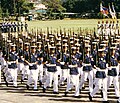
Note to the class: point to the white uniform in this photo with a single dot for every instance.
(74, 78)
(65, 71)
(87, 73)
(52, 75)
(113, 29)
(107, 30)
(113, 73)
(25, 69)
(33, 75)
(12, 68)
(101, 79)
(0, 64)
(99, 29)
(117, 29)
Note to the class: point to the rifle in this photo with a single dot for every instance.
(61, 43)
(109, 53)
(69, 44)
(97, 56)
(95, 34)
(47, 32)
(83, 51)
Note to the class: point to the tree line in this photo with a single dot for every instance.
(11, 7)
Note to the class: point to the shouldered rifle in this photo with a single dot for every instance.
(83, 51)
(97, 55)
(109, 53)
(61, 44)
(69, 44)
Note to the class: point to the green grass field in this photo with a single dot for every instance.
(54, 24)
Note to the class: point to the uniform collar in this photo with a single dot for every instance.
(101, 58)
(13, 52)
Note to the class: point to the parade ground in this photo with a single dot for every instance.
(22, 95)
(59, 51)
(67, 24)
(11, 94)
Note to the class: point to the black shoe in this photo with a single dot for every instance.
(116, 97)
(27, 86)
(44, 90)
(62, 85)
(55, 92)
(35, 89)
(101, 94)
(4, 77)
(90, 98)
(40, 83)
(118, 102)
(15, 87)
(80, 91)
(83, 87)
(22, 81)
(77, 96)
(66, 93)
(49, 87)
(6, 83)
(105, 102)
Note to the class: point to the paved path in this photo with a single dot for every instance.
(21, 95)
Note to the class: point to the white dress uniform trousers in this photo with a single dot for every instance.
(52, 76)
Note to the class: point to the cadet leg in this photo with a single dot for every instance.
(40, 67)
(83, 78)
(35, 78)
(55, 83)
(71, 83)
(97, 87)
(90, 76)
(15, 77)
(104, 89)
(59, 71)
(0, 73)
(49, 80)
(25, 71)
(76, 85)
(109, 81)
(30, 79)
(64, 76)
(116, 86)
(13, 73)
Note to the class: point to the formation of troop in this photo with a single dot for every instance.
(108, 27)
(52, 59)
(8, 26)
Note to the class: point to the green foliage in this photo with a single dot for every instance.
(82, 6)
(54, 5)
(57, 6)
(16, 6)
(0, 12)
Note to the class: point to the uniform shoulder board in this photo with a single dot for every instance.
(32, 47)
(100, 50)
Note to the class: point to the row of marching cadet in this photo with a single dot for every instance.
(75, 58)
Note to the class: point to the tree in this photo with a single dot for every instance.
(54, 5)
(16, 6)
(82, 6)
(0, 11)
(23, 6)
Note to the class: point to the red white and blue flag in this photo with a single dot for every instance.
(104, 10)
